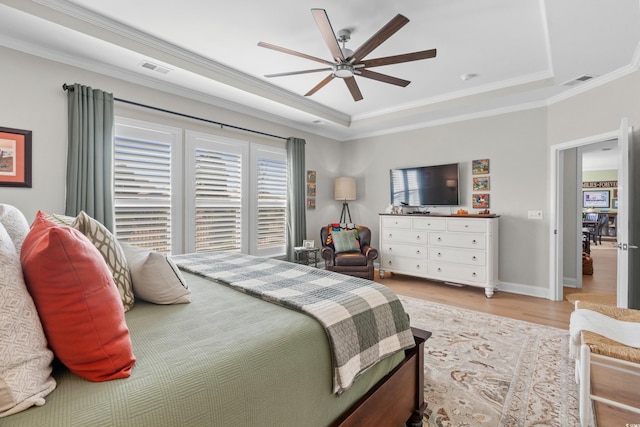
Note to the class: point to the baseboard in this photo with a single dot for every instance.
(517, 288)
(571, 282)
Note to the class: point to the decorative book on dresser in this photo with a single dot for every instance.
(454, 249)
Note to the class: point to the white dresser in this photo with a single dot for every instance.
(455, 249)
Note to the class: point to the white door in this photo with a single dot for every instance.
(624, 225)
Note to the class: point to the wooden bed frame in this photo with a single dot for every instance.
(396, 399)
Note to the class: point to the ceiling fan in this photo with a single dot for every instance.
(346, 63)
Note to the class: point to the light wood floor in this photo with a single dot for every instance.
(521, 307)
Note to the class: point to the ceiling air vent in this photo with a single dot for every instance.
(154, 67)
(578, 80)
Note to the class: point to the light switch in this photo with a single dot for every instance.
(534, 214)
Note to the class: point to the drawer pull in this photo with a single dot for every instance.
(418, 237)
(466, 226)
(474, 258)
(390, 235)
(418, 267)
(418, 252)
(439, 254)
(439, 239)
(389, 262)
(474, 241)
(474, 275)
(439, 270)
(390, 249)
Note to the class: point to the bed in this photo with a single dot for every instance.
(231, 359)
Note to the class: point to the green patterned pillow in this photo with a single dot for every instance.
(345, 241)
(112, 253)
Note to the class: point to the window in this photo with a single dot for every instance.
(270, 215)
(144, 178)
(216, 199)
(232, 196)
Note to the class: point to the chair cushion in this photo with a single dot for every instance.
(78, 303)
(345, 241)
(350, 259)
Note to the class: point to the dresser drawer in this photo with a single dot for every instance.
(457, 272)
(467, 225)
(396, 222)
(405, 236)
(435, 224)
(412, 266)
(391, 248)
(460, 256)
(458, 240)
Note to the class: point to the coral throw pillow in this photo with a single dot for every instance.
(78, 303)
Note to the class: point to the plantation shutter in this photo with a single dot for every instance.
(271, 195)
(218, 200)
(143, 193)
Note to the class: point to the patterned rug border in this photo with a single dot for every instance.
(505, 372)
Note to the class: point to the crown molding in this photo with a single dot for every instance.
(90, 23)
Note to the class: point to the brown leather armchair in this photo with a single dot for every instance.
(358, 264)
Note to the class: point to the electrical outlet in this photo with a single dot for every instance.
(534, 214)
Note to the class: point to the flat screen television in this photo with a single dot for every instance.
(595, 199)
(425, 186)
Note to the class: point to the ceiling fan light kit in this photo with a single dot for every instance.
(347, 63)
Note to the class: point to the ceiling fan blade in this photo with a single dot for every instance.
(322, 19)
(293, 73)
(293, 52)
(383, 78)
(378, 38)
(397, 59)
(353, 88)
(320, 85)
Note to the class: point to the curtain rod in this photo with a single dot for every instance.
(222, 125)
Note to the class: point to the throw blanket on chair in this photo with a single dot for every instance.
(582, 319)
(365, 321)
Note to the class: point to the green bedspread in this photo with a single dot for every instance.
(227, 359)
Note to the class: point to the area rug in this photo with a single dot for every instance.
(486, 370)
(596, 298)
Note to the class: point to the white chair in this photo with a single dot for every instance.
(608, 373)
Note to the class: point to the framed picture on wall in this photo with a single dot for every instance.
(311, 176)
(480, 167)
(480, 201)
(15, 157)
(481, 183)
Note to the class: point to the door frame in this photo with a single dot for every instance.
(556, 272)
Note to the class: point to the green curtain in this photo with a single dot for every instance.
(90, 154)
(296, 193)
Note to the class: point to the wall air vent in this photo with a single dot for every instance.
(578, 80)
(154, 67)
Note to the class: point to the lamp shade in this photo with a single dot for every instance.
(345, 188)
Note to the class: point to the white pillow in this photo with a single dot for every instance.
(155, 277)
(15, 223)
(25, 360)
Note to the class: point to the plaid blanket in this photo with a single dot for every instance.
(365, 321)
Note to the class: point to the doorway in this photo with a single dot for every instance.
(565, 210)
(596, 178)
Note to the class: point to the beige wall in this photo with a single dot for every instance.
(516, 146)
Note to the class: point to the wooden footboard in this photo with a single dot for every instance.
(398, 398)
